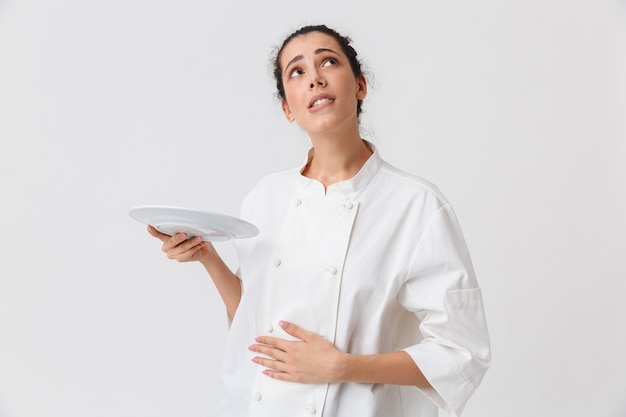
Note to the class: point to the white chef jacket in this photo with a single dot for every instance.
(375, 264)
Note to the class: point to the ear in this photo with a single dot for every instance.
(287, 111)
(361, 87)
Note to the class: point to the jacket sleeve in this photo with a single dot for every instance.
(442, 291)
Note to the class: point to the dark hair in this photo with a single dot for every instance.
(343, 41)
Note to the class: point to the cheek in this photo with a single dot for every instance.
(291, 96)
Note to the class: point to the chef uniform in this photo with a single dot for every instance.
(374, 264)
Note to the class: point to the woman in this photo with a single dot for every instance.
(358, 297)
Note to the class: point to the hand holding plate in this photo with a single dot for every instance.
(180, 248)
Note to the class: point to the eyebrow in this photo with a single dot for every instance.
(299, 57)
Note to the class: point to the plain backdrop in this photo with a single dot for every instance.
(515, 109)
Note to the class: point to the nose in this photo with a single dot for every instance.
(317, 81)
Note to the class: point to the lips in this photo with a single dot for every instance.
(320, 100)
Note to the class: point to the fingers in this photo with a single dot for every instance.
(274, 353)
(267, 342)
(275, 369)
(275, 360)
(312, 358)
(295, 331)
(154, 232)
(185, 250)
(282, 375)
(178, 247)
(291, 329)
(280, 364)
(162, 236)
(180, 240)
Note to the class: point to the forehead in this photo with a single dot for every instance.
(306, 44)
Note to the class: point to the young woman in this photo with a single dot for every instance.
(358, 297)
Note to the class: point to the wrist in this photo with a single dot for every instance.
(208, 254)
(347, 365)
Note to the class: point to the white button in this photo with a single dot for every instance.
(347, 205)
(297, 202)
(331, 270)
(257, 396)
(269, 328)
(311, 409)
(277, 262)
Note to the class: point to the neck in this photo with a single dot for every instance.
(336, 158)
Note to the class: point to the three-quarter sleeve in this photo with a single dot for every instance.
(442, 291)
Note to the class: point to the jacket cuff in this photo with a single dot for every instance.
(449, 389)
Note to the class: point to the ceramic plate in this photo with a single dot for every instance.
(213, 227)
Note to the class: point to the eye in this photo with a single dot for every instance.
(328, 62)
(295, 72)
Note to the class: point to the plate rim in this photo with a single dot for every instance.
(253, 229)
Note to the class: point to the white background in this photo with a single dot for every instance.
(515, 109)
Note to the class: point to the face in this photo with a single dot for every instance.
(321, 92)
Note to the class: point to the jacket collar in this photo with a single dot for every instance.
(349, 186)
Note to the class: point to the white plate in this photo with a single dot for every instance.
(213, 227)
